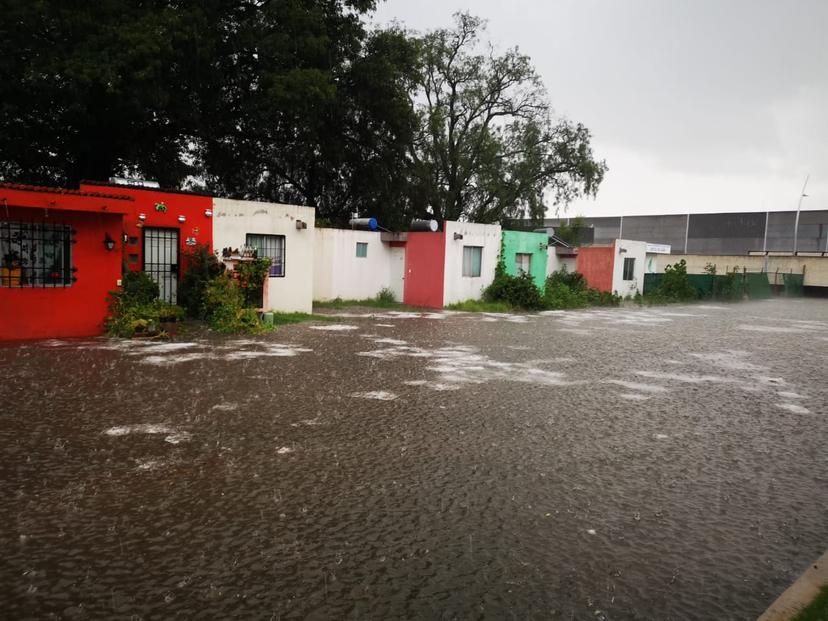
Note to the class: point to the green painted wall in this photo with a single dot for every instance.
(520, 242)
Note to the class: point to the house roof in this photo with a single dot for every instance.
(61, 199)
(52, 190)
(109, 184)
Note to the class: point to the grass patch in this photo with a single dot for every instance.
(282, 319)
(479, 306)
(339, 303)
(817, 610)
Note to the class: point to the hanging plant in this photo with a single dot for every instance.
(161, 207)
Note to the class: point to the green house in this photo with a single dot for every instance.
(526, 252)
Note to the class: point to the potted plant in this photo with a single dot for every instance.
(11, 271)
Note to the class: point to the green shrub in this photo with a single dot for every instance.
(675, 285)
(251, 277)
(225, 310)
(516, 291)
(202, 266)
(138, 288)
(574, 280)
(386, 296)
(565, 290)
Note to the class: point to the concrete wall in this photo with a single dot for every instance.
(816, 268)
(634, 250)
(233, 220)
(339, 273)
(458, 288)
(596, 265)
(534, 244)
(556, 262)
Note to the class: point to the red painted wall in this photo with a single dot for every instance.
(191, 206)
(596, 263)
(424, 269)
(77, 310)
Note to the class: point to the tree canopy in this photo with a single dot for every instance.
(488, 148)
(283, 100)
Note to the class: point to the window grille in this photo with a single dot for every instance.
(36, 254)
(271, 247)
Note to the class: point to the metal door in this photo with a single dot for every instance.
(397, 273)
(161, 260)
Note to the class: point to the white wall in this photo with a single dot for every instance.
(636, 250)
(456, 287)
(339, 273)
(556, 262)
(233, 220)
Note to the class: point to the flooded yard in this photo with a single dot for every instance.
(664, 463)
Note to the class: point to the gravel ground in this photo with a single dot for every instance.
(613, 464)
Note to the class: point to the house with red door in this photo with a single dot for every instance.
(60, 253)
(452, 265)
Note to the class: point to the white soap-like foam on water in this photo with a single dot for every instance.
(379, 395)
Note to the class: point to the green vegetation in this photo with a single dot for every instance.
(384, 299)
(280, 319)
(515, 291)
(563, 290)
(251, 277)
(135, 310)
(201, 267)
(479, 306)
(225, 309)
(816, 610)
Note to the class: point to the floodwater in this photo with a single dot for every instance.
(661, 463)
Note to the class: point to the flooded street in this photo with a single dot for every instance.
(665, 463)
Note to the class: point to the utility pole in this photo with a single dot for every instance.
(798, 208)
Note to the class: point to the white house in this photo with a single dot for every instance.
(356, 264)
(471, 257)
(283, 233)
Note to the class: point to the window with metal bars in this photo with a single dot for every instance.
(36, 254)
(272, 247)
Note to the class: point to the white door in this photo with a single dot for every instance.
(397, 272)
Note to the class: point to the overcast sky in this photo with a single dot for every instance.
(697, 105)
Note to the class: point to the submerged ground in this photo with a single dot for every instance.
(621, 464)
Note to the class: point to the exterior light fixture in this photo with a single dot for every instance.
(458, 236)
(181, 218)
(622, 250)
(208, 213)
(142, 216)
(301, 225)
(108, 242)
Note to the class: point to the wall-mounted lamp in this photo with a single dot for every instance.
(108, 242)
(458, 236)
(142, 216)
(181, 218)
(543, 246)
(208, 213)
(301, 225)
(622, 250)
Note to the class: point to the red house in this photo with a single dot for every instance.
(60, 253)
(159, 227)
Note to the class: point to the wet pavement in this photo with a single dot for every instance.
(664, 463)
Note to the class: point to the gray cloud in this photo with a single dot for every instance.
(697, 105)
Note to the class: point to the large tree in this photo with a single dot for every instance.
(287, 100)
(488, 148)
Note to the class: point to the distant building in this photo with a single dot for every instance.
(710, 233)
